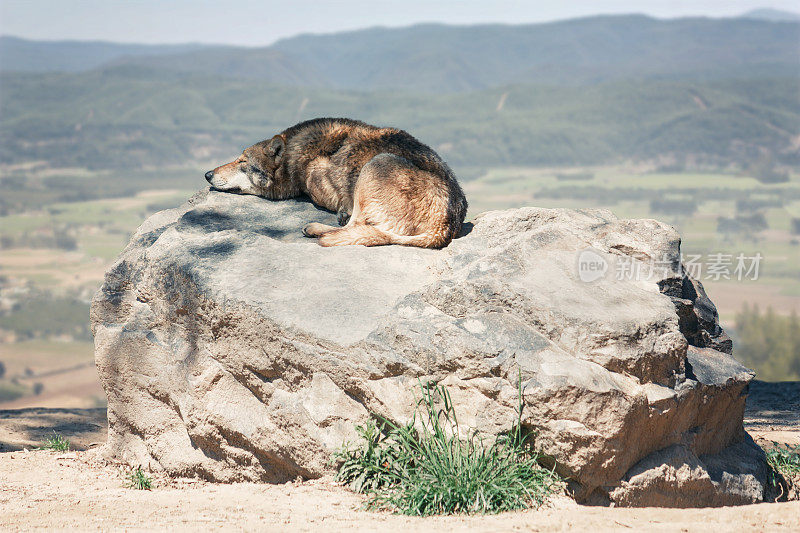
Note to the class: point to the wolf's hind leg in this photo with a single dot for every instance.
(316, 229)
(362, 234)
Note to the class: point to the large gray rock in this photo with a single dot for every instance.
(232, 348)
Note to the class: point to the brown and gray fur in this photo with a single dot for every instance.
(386, 186)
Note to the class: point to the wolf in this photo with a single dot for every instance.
(386, 186)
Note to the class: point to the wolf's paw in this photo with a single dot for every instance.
(308, 230)
(343, 217)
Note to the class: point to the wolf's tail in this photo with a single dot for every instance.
(368, 235)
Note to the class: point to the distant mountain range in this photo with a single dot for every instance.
(436, 58)
(774, 15)
(22, 55)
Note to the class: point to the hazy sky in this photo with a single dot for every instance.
(250, 22)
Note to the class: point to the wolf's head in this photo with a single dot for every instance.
(258, 171)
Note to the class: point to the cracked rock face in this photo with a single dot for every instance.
(232, 348)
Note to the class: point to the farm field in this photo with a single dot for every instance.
(65, 370)
(52, 260)
(53, 255)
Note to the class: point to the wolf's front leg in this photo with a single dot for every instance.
(315, 229)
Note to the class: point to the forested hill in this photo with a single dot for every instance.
(128, 118)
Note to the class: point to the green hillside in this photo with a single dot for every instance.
(128, 117)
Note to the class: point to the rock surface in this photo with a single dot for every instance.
(232, 348)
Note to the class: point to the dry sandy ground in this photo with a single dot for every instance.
(28, 428)
(50, 490)
(773, 413)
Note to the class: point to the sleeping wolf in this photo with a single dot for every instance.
(385, 185)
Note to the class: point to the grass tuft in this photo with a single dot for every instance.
(432, 471)
(56, 443)
(784, 465)
(138, 480)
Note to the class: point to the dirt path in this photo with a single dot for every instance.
(773, 413)
(50, 490)
(28, 428)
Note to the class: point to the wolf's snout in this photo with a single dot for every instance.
(209, 176)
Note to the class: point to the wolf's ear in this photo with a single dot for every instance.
(275, 149)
